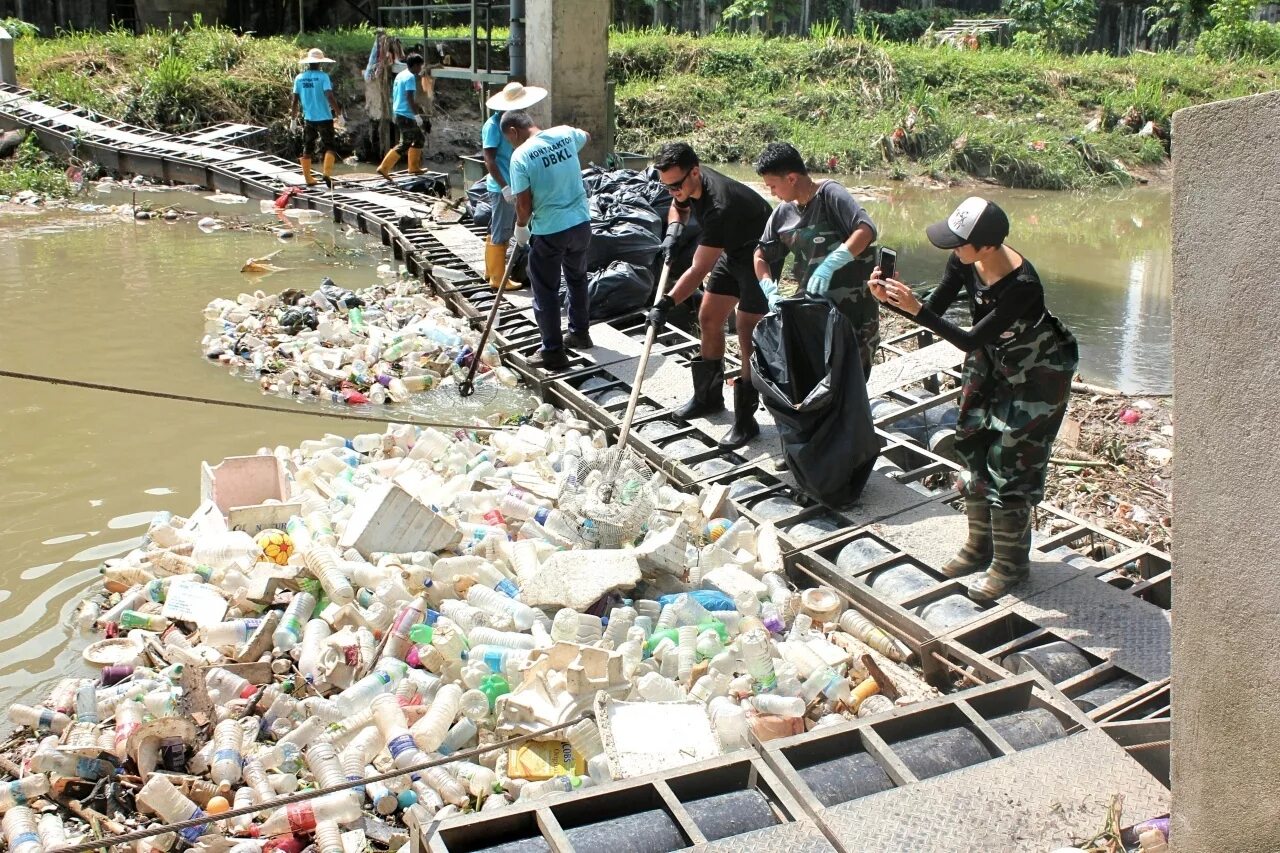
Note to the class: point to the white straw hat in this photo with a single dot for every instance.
(314, 55)
(516, 96)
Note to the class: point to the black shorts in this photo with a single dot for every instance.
(411, 136)
(735, 275)
(313, 130)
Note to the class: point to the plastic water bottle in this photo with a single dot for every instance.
(460, 735)
(852, 622)
(304, 733)
(87, 704)
(730, 723)
(302, 817)
(228, 740)
(128, 720)
(389, 717)
(328, 835)
(255, 780)
(554, 785)
(324, 563)
(495, 602)
(481, 636)
(654, 687)
(411, 614)
(160, 795)
(39, 719)
(53, 832)
(70, 765)
(289, 633)
(758, 658)
(19, 792)
(783, 706)
(431, 729)
(312, 648)
(20, 830)
(383, 679)
(383, 800)
(480, 780)
(232, 633)
(449, 788)
(131, 619)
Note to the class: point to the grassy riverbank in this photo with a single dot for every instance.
(1012, 117)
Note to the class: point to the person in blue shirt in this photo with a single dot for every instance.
(497, 162)
(553, 220)
(313, 96)
(411, 119)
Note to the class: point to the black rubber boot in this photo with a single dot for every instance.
(1011, 544)
(708, 389)
(975, 553)
(745, 400)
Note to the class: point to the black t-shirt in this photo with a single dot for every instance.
(995, 308)
(732, 214)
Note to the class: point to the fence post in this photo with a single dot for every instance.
(8, 72)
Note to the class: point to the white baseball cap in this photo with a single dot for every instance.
(976, 221)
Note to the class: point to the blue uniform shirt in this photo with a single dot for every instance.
(310, 87)
(491, 137)
(547, 164)
(406, 82)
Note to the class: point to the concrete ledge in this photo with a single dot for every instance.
(1226, 682)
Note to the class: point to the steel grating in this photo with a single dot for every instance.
(911, 368)
(1045, 797)
(800, 837)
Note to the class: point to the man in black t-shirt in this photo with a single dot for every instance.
(733, 217)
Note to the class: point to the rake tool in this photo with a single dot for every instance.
(467, 386)
(588, 494)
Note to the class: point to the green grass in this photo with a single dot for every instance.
(32, 169)
(1010, 116)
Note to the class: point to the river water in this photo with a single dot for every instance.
(97, 299)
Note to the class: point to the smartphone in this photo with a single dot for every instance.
(888, 263)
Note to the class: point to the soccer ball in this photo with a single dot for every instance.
(276, 545)
(716, 528)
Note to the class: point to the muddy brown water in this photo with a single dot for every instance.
(98, 299)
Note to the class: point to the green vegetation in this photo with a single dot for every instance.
(1012, 116)
(1028, 117)
(32, 169)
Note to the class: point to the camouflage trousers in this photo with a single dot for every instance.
(1012, 403)
(862, 311)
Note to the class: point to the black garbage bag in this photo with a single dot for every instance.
(625, 207)
(615, 290)
(807, 369)
(478, 203)
(621, 240)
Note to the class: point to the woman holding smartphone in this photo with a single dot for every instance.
(1017, 380)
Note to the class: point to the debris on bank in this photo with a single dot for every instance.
(379, 344)
(354, 606)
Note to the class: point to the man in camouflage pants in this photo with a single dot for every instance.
(830, 235)
(1017, 381)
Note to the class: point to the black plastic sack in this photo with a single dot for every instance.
(618, 289)
(806, 367)
(625, 207)
(478, 203)
(621, 240)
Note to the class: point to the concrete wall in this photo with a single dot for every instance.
(8, 74)
(1226, 482)
(568, 48)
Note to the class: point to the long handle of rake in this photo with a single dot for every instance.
(649, 338)
(467, 386)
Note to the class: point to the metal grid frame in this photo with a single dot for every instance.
(548, 819)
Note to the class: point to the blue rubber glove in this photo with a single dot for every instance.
(770, 288)
(820, 279)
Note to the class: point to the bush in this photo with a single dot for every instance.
(1235, 35)
(32, 169)
(908, 24)
(19, 29)
(1062, 23)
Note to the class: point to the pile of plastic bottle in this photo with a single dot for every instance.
(383, 660)
(379, 344)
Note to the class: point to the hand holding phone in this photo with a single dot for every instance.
(888, 263)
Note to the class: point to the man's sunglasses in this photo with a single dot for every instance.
(673, 187)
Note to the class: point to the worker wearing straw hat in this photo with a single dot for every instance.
(497, 161)
(411, 119)
(313, 95)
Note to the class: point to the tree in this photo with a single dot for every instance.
(1062, 23)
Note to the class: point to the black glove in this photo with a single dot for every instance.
(658, 313)
(674, 231)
